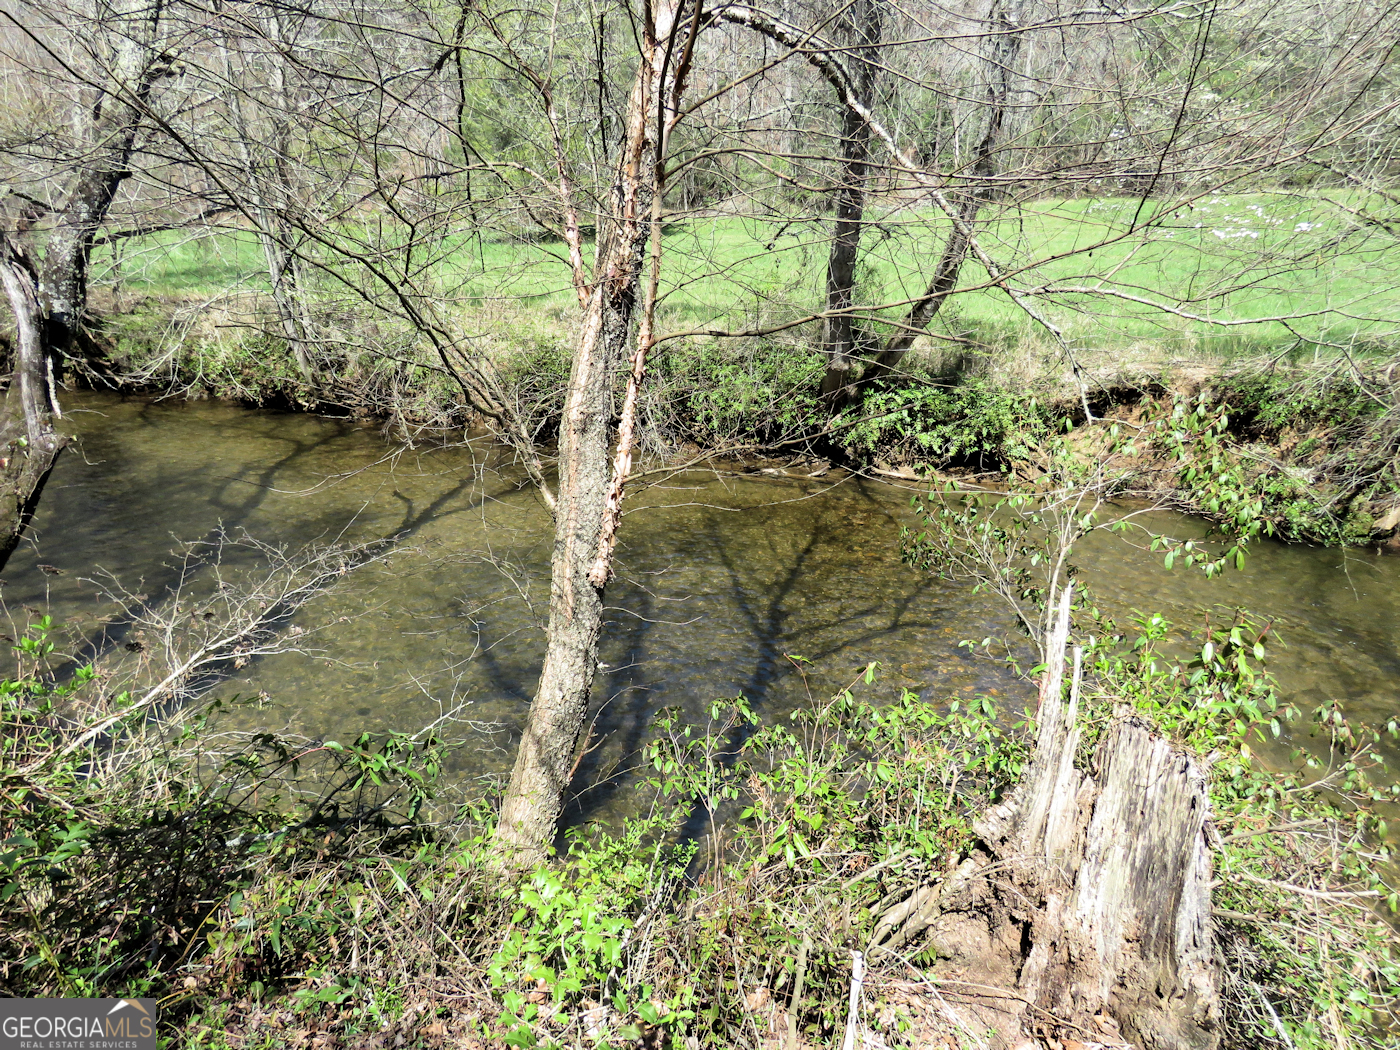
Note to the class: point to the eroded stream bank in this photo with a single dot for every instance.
(720, 580)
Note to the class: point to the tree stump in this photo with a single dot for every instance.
(1087, 905)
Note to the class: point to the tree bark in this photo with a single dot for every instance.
(840, 338)
(49, 301)
(29, 444)
(269, 188)
(117, 117)
(535, 795)
(545, 760)
(64, 276)
(1089, 894)
(1005, 50)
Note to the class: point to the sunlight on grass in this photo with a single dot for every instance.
(1227, 258)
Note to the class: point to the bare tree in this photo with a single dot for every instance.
(110, 60)
(841, 336)
(1003, 47)
(589, 496)
(260, 112)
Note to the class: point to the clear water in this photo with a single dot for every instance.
(720, 579)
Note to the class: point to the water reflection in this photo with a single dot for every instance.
(720, 579)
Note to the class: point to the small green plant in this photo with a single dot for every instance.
(845, 775)
(172, 826)
(572, 925)
(971, 423)
(1298, 457)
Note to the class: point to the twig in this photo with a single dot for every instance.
(586, 750)
(1342, 896)
(853, 1014)
(243, 639)
(795, 1003)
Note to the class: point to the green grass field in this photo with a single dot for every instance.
(1233, 258)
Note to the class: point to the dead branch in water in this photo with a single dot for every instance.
(199, 632)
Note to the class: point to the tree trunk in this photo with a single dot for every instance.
(286, 294)
(1089, 894)
(1005, 50)
(840, 338)
(264, 160)
(29, 445)
(545, 761)
(64, 276)
(134, 26)
(49, 302)
(284, 272)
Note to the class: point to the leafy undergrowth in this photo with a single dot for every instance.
(1312, 449)
(1322, 446)
(971, 424)
(276, 893)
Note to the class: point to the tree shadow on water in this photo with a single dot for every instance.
(236, 498)
(757, 585)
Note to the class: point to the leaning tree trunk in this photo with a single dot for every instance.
(840, 337)
(29, 444)
(49, 302)
(1004, 53)
(137, 66)
(1088, 897)
(545, 761)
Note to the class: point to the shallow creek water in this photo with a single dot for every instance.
(719, 578)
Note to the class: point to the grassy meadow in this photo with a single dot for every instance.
(1223, 267)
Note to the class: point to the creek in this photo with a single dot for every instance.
(721, 579)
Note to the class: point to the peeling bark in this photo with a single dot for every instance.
(586, 500)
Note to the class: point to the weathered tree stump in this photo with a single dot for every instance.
(1087, 906)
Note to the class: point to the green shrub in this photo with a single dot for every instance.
(741, 390)
(1318, 492)
(973, 423)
